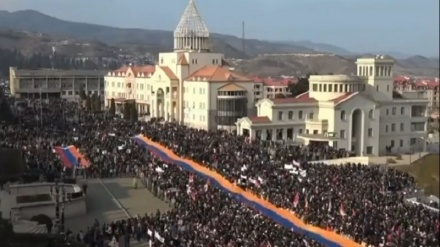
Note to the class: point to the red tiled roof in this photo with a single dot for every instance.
(302, 98)
(260, 119)
(343, 97)
(143, 69)
(213, 73)
(427, 84)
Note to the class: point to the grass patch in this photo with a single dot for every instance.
(426, 173)
(34, 198)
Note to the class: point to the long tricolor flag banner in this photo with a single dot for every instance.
(279, 215)
(70, 155)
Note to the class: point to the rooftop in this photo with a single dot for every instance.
(57, 73)
(191, 24)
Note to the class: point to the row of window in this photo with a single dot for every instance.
(201, 106)
(393, 127)
(338, 88)
(201, 91)
(374, 70)
(290, 115)
(394, 111)
(71, 93)
(193, 117)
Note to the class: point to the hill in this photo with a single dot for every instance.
(299, 64)
(152, 40)
(33, 32)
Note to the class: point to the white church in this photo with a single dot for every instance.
(195, 87)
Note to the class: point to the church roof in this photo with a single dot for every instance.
(213, 73)
(191, 23)
(231, 87)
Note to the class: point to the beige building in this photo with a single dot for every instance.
(49, 83)
(191, 84)
(359, 113)
(420, 88)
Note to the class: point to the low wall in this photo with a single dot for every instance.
(364, 160)
(30, 189)
(73, 208)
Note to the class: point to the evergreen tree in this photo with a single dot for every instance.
(127, 111)
(88, 104)
(82, 93)
(97, 103)
(92, 102)
(300, 87)
(5, 111)
(112, 109)
(133, 113)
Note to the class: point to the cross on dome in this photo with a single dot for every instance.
(191, 33)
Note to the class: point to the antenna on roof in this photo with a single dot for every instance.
(243, 38)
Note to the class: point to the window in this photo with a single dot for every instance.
(401, 143)
(325, 88)
(290, 115)
(300, 114)
(311, 116)
(392, 143)
(300, 131)
(388, 88)
(402, 110)
(412, 141)
(330, 88)
(370, 114)
(315, 132)
(377, 88)
(393, 127)
(386, 128)
(370, 132)
(369, 150)
(402, 127)
(342, 134)
(343, 115)
(393, 111)
(280, 115)
(315, 87)
(388, 112)
(307, 131)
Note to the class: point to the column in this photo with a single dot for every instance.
(263, 134)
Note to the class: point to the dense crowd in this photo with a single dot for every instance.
(365, 203)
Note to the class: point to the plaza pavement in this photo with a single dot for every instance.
(115, 199)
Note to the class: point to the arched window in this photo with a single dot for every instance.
(370, 114)
(342, 115)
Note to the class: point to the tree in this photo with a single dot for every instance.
(82, 93)
(5, 111)
(280, 96)
(300, 87)
(88, 104)
(92, 102)
(112, 109)
(133, 112)
(97, 103)
(127, 111)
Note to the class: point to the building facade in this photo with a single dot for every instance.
(49, 83)
(273, 88)
(191, 84)
(358, 113)
(419, 88)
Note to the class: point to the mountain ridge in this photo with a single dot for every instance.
(83, 39)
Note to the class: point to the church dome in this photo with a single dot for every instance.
(191, 33)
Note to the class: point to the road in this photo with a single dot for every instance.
(114, 199)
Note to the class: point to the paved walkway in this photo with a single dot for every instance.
(115, 199)
(406, 159)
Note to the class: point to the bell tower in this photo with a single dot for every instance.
(377, 74)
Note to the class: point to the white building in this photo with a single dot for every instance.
(191, 84)
(54, 83)
(358, 113)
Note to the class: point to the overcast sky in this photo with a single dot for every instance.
(407, 26)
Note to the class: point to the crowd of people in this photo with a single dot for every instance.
(364, 203)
